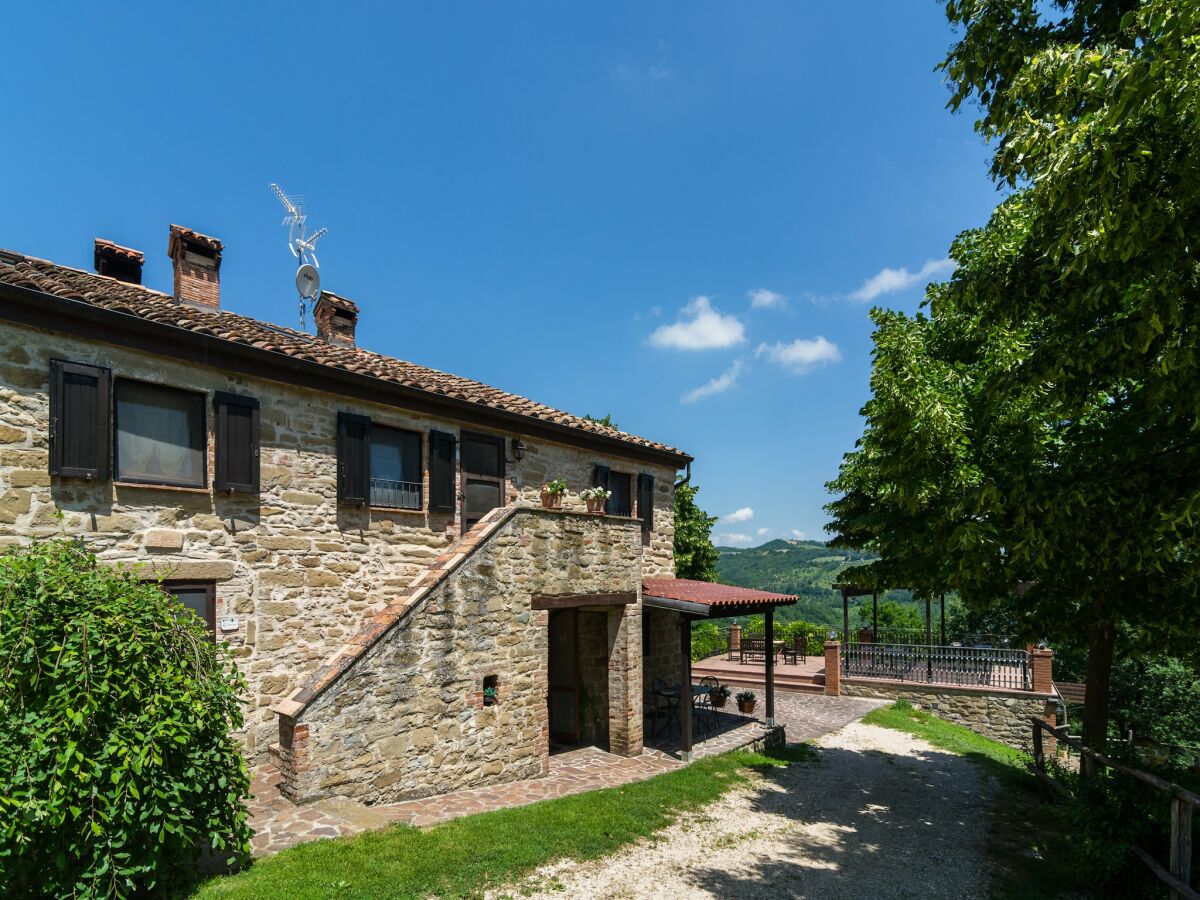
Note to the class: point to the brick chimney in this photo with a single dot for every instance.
(336, 319)
(196, 259)
(121, 263)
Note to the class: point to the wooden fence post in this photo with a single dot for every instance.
(1181, 842)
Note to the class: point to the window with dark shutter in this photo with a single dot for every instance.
(79, 417)
(237, 443)
(161, 437)
(196, 597)
(395, 468)
(620, 503)
(646, 501)
(600, 476)
(354, 459)
(443, 486)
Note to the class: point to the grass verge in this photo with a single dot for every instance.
(464, 857)
(1027, 844)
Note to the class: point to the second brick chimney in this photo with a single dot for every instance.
(336, 319)
(196, 259)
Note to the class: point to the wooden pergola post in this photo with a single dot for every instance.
(769, 622)
(943, 601)
(928, 641)
(685, 688)
(875, 616)
(845, 616)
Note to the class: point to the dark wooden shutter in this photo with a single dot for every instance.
(646, 501)
(443, 487)
(79, 420)
(237, 443)
(600, 476)
(354, 459)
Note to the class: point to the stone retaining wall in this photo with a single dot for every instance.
(402, 720)
(1001, 715)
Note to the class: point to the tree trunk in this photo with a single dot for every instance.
(1099, 672)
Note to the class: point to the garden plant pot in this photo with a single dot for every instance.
(552, 501)
(718, 700)
(596, 506)
(747, 706)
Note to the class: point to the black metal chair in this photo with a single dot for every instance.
(670, 703)
(797, 649)
(708, 709)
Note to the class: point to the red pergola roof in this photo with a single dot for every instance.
(715, 595)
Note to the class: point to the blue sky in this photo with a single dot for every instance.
(679, 214)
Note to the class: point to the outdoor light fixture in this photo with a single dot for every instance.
(518, 449)
(832, 635)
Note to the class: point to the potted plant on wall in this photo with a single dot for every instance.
(746, 702)
(595, 497)
(719, 695)
(489, 695)
(553, 493)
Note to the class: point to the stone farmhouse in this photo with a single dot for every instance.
(366, 534)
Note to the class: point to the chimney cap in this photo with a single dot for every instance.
(204, 242)
(128, 254)
(343, 303)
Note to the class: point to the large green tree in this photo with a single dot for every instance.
(1034, 432)
(695, 555)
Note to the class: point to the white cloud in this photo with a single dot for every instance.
(801, 355)
(718, 385)
(700, 328)
(745, 514)
(763, 532)
(797, 534)
(733, 539)
(888, 281)
(761, 298)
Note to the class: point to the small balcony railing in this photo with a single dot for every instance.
(395, 494)
(933, 664)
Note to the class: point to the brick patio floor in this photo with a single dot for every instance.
(279, 823)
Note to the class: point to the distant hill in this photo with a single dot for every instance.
(805, 568)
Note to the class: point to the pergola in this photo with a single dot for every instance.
(851, 590)
(703, 599)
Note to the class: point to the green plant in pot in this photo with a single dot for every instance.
(595, 497)
(489, 695)
(553, 493)
(719, 695)
(746, 701)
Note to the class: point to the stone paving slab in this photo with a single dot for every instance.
(278, 823)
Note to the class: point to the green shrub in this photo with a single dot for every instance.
(708, 640)
(117, 766)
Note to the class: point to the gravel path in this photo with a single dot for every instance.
(879, 814)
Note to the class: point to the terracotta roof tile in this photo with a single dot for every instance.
(146, 303)
(712, 594)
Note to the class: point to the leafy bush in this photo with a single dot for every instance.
(117, 766)
(708, 640)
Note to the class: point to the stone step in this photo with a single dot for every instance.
(814, 684)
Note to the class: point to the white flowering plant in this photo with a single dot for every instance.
(595, 493)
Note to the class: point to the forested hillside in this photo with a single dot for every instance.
(805, 568)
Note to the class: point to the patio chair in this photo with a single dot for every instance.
(669, 703)
(705, 703)
(754, 647)
(797, 649)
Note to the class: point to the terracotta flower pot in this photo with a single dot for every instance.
(552, 501)
(747, 706)
(718, 699)
(596, 505)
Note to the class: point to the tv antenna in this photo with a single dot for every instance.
(303, 247)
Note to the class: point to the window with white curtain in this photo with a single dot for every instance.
(160, 435)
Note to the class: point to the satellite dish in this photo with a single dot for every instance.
(308, 281)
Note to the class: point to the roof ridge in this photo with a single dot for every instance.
(80, 285)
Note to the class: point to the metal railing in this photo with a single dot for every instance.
(890, 635)
(395, 494)
(935, 664)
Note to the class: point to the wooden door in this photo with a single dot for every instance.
(563, 676)
(482, 476)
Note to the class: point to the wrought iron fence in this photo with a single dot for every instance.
(889, 635)
(935, 664)
(396, 494)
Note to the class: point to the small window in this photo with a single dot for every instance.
(395, 468)
(620, 503)
(160, 435)
(196, 597)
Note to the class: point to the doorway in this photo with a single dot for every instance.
(482, 476)
(563, 676)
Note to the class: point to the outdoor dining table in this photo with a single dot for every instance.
(698, 691)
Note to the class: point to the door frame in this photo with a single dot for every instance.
(560, 617)
(502, 481)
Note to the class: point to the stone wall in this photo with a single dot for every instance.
(1001, 715)
(661, 646)
(296, 573)
(401, 720)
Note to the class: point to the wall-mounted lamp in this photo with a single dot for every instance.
(518, 449)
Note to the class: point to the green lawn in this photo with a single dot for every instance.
(1027, 845)
(465, 856)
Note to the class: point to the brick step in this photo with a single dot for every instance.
(813, 684)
